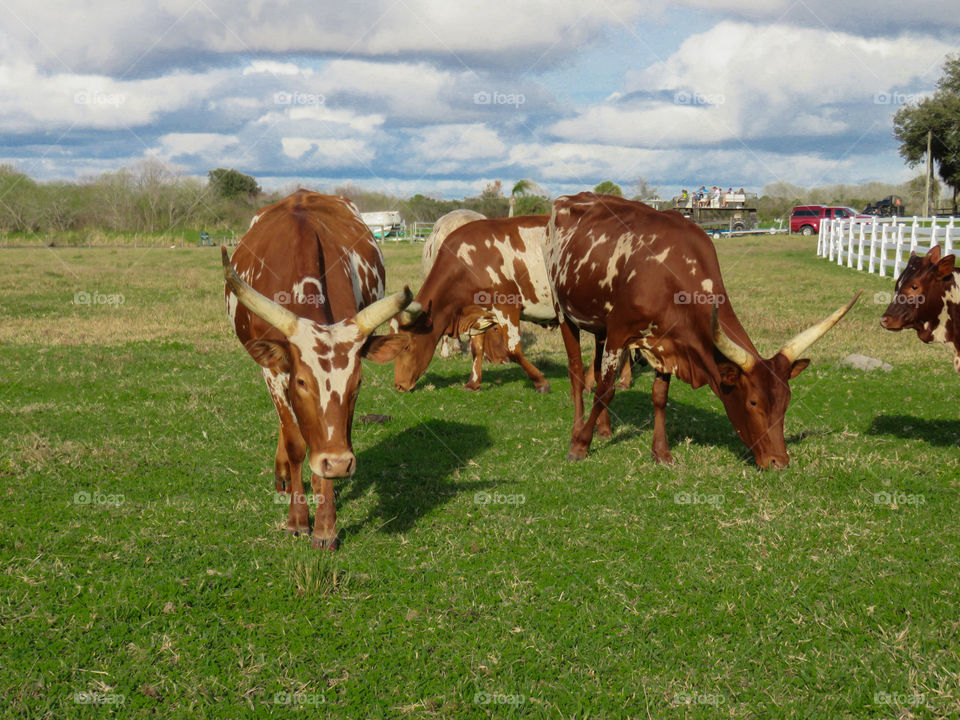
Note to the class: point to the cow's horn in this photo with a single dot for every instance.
(282, 319)
(728, 347)
(796, 347)
(375, 315)
(409, 316)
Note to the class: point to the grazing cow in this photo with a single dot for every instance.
(304, 296)
(927, 299)
(638, 278)
(494, 346)
(488, 272)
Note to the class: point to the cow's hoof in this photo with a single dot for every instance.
(471, 386)
(280, 484)
(623, 386)
(330, 544)
(604, 432)
(576, 456)
(663, 458)
(295, 531)
(542, 389)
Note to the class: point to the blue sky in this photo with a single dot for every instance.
(411, 96)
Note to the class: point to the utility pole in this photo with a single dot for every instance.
(926, 193)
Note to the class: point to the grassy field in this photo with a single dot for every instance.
(145, 571)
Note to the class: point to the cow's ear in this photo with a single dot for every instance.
(946, 266)
(272, 354)
(798, 367)
(384, 348)
(933, 255)
(729, 373)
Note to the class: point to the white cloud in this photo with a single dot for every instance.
(175, 144)
(740, 81)
(326, 152)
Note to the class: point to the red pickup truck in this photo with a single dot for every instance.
(805, 219)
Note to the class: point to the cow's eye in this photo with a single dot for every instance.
(301, 382)
(753, 403)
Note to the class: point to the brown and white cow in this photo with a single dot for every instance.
(487, 273)
(494, 345)
(304, 295)
(927, 299)
(639, 278)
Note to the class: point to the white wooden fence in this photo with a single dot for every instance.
(880, 243)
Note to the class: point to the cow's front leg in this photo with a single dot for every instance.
(325, 521)
(604, 429)
(298, 516)
(571, 343)
(661, 448)
(476, 370)
(609, 365)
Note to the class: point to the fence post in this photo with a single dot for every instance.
(841, 236)
(898, 258)
(883, 251)
(873, 245)
(850, 244)
(933, 231)
(860, 248)
(820, 234)
(913, 235)
(948, 238)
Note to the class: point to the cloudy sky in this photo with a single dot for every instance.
(441, 96)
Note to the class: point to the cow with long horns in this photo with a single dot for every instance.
(927, 299)
(304, 294)
(638, 278)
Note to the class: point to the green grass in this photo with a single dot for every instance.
(581, 590)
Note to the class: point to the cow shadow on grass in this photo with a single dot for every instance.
(944, 433)
(505, 373)
(631, 413)
(411, 473)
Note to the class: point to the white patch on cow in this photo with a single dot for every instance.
(609, 362)
(956, 361)
(464, 253)
(707, 285)
(253, 220)
(654, 361)
(623, 249)
(661, 257)
(513, 332)
(301, 295)
(365, 279)
(277, 384)
(951, 297)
